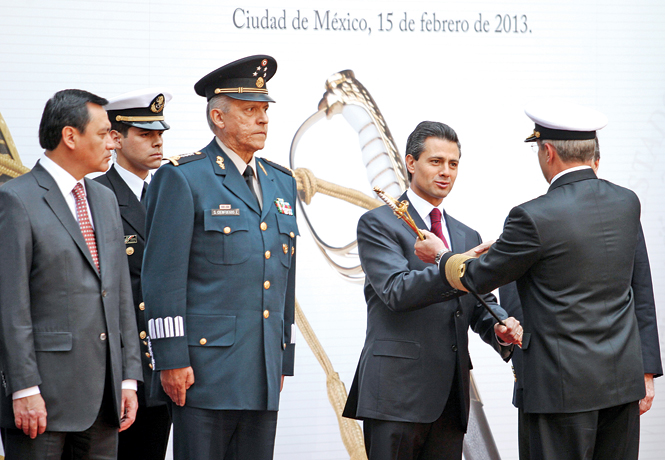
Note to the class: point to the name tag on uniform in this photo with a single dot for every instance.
(225, 212)
(131, 239)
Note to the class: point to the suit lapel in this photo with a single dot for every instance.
(58, 205)
(230, 177)
(268, 188)
(131, 209)
(457, 235)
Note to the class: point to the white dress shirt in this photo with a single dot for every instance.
(134, 182)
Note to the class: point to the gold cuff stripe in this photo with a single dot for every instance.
(121, 118)
(241, 90)
(455, 271)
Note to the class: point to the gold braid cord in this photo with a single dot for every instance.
(350, 431)
(309, 185)
(352, 435)
(10, 163)
(455, 271)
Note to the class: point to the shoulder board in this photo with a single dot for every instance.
(178, 160)
(284, 169)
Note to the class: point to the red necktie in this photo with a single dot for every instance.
(84, 222)
(435, 217)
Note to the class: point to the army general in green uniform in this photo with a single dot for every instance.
(219, 275)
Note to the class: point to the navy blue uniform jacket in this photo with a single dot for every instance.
(572, 253)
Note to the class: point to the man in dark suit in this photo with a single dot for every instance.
(645, 311)
(411, 388)
(219, 275)
(137, 126)
(572, 254)
(69, 349)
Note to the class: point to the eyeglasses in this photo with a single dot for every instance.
(534, 147)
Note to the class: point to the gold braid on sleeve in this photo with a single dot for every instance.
(455, 271)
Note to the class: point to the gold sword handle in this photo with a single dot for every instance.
(400, 210)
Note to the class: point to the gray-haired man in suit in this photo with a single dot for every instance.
(68, 342)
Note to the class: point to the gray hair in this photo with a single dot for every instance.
(569, 150)
(221, 102)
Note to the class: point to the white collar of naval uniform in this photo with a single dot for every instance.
(569, 170)
(134, 182)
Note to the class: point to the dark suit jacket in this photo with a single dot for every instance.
(62, 324)
(133, 223)
(572, 253)
(416, 329)
(645, 310)
(227, 268)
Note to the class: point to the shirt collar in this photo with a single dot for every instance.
(422, 206)
(65, 181)
(134, 182)
(237, 161)
(569, 170)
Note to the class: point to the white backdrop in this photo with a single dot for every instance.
(607, 54)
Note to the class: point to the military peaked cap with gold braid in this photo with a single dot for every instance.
(244, 79)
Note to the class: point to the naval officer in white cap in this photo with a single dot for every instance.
(571, 252)
(137, 126)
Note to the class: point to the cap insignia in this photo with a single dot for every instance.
(264, 63)
(157, 104)
(260, 82)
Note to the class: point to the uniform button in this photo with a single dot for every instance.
(227, 230)
(143, 335)
(284, 345)
(263, 226)
(102, 336)
(150, 365)
(458, 313)
(266, 314)
(203, 341)
(266, 285)
(293, 250)
(147, 355)
(145, 342)
(267, 254)
(129, 251)
(104, 293)
(142, 306)
(454, 347)
(292, 235)
(285, 248)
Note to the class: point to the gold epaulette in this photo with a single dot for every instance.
(178, 160)
(284, 169)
